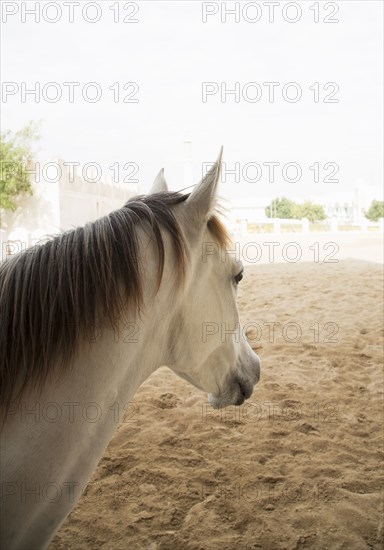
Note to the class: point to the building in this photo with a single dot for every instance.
(61, 200)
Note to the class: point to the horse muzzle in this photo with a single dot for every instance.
(239, 387)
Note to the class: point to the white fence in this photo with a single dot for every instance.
(303, 226)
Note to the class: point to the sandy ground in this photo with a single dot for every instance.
(296, 466)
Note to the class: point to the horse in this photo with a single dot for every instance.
(86, 318)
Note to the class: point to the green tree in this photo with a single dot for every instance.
(280, 208)
(16, 157)
(313, 212)
(375, 211)
(297, 211)
(287, 209)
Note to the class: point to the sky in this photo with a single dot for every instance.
(170, 56)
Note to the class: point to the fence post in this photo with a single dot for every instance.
(276, 225)
(364, 224)
(305, 225)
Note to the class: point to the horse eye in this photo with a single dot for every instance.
(239, 276)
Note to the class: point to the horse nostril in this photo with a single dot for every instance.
(246, 390)
(240, 400)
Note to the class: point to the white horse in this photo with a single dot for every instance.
(141, 271)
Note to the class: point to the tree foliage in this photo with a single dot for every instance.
(280, 208)
(375, 211)
(313, 212)
(287, 209)
(16, 157)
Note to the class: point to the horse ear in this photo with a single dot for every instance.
(159, 184)
(203, 197)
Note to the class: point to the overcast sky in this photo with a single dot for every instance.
(169, 53)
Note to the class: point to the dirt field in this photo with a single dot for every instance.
(299, 465)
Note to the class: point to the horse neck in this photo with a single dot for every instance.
(65, 429)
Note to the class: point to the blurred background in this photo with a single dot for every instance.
(98, 96)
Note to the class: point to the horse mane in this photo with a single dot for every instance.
(54, 294)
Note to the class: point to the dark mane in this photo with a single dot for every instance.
(54, 294)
